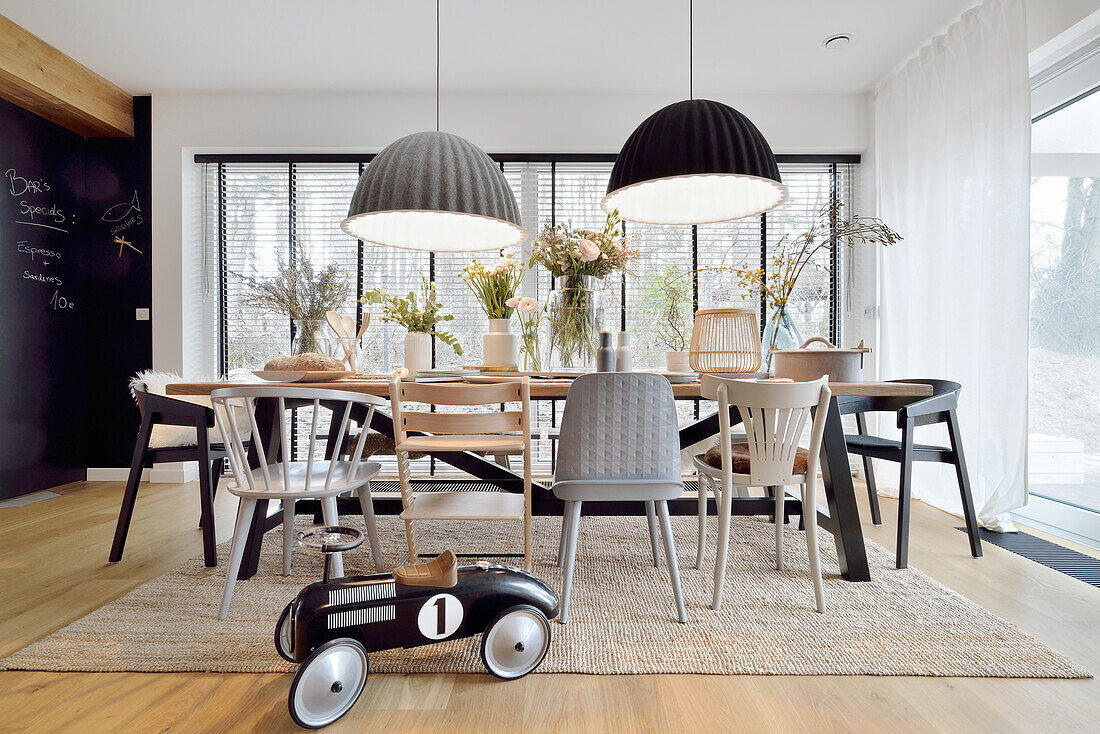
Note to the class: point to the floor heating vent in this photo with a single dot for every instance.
(1068, 561)
(431, 485)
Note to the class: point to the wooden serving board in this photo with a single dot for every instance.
(301, 375)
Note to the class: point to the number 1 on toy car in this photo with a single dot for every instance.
(440, 616)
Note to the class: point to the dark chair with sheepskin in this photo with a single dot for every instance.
(172, 430)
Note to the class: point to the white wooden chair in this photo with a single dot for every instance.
(485, 432)
(773, 415)
(287, 480)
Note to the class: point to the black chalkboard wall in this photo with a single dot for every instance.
(68, 294)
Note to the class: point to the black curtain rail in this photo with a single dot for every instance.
(498, 157)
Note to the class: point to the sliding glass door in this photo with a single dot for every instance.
(1064, 397)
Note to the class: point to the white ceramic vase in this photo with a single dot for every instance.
(418, 352)
(677, 362)
(499, 346)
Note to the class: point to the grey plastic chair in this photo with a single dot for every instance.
(619, 441)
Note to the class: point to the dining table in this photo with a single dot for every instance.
(840, 514)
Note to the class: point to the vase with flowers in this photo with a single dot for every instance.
(578, 259)
(495, 286)
(776, 283)
(421, 315)
(531, 315)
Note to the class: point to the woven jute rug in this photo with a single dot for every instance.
(622, 620)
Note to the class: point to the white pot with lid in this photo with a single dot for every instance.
(805, 364)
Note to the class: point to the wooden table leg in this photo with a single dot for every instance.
(842, 518)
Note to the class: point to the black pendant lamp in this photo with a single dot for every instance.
(694, 162)
(434, 191)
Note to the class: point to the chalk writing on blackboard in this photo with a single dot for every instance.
(48, 216)
(37, 254)
(46, 226)
(18, 185)
(60, 302)
(42, 278)
(118, 212)
(52, 213)
(124, 215)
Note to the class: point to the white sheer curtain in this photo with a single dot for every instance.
(952, 147)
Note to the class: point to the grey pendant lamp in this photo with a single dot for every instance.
(694, 162)
(434, 191)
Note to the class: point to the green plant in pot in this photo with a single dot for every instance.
(420, 315)
(666, 308)
(303, 294)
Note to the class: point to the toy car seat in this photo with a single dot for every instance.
(440, 572)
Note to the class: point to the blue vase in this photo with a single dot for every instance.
(779, 333)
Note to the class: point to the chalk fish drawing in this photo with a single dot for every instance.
(118, 212)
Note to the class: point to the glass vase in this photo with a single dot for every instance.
(575, 315)
(312, 335)
(779, 333)
(532, 358)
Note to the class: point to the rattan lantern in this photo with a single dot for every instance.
(725, 340)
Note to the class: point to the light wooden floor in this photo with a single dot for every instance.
(53, 570)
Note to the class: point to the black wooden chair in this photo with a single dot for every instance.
(939, 408)
(159, 410)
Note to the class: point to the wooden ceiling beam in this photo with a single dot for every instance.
(41, 79)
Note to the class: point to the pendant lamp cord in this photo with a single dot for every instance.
(437, 65)
(691, 49)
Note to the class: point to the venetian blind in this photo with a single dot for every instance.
(258, 214)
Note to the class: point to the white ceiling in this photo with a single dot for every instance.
(746, 46)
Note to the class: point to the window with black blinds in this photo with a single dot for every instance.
(259, 213)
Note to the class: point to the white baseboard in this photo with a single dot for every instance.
(173, 473)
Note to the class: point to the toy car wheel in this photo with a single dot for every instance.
(328, 683)
(515, 642)
(284, 635)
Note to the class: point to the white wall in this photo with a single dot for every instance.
(185, 124)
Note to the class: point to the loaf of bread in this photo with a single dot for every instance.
(309, 361)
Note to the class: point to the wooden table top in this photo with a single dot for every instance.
(543, 389)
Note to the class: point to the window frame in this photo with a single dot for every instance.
(363, 159)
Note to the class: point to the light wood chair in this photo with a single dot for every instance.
(287, 480)
(486, 432)
(773, 415)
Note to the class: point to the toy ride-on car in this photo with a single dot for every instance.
(332, 624)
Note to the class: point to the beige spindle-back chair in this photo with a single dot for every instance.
(286, 480)
(484, 432)
(773, 415)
